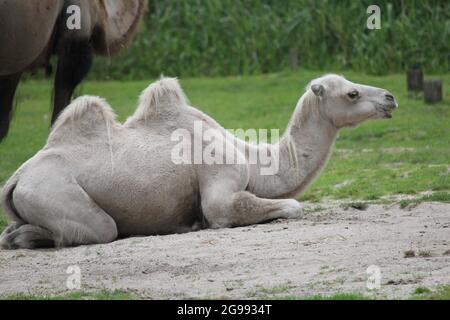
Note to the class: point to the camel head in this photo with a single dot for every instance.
(347, 104)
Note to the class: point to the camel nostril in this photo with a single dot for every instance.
(389, 97)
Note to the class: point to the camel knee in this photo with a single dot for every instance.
(224, 211)
(216, 218)
(102, 228)
(106, 234)
(216, 210)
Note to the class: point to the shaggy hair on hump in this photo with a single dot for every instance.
(87, 107)
(159, 97)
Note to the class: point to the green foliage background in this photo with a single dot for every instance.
(229, 37)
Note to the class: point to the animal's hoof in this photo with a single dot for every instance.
(293, 209)
(4, 245)
(4, 237)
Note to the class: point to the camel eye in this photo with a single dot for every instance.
(353, 94)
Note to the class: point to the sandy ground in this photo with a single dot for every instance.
(326, 252)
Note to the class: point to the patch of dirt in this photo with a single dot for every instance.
(326, 252)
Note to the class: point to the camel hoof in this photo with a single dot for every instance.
(293, 209)
(4, 243)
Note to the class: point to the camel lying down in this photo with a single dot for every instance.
(97, 180)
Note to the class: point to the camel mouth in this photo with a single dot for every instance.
(387, 110)
(387, 114)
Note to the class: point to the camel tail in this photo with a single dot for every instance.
(6, 198)
(162, 97)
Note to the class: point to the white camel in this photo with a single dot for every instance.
(97, 180)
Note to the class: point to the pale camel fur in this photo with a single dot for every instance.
(97, 180)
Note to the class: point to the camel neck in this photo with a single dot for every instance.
(303, 151)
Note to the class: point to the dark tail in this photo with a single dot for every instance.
(5, 119)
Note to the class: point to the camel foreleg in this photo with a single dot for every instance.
(228, 208)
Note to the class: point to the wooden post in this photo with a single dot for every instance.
(432, 90)
(293, 58)
(414, 79)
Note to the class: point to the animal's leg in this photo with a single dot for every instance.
(48, 196)
(8, 86)
(225, 207)
(27, 236)
(74, 62)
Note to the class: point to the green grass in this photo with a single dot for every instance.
(3, 222)
(420, 293)
(271, 292)
(340, 296)
(440, 293)
(408, 154)
(225, 37)
(421, 290)
(78, 295)
(435, 197)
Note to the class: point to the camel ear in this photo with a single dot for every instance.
(116, 24)
(318, 89)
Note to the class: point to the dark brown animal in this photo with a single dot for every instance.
(32, 31)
